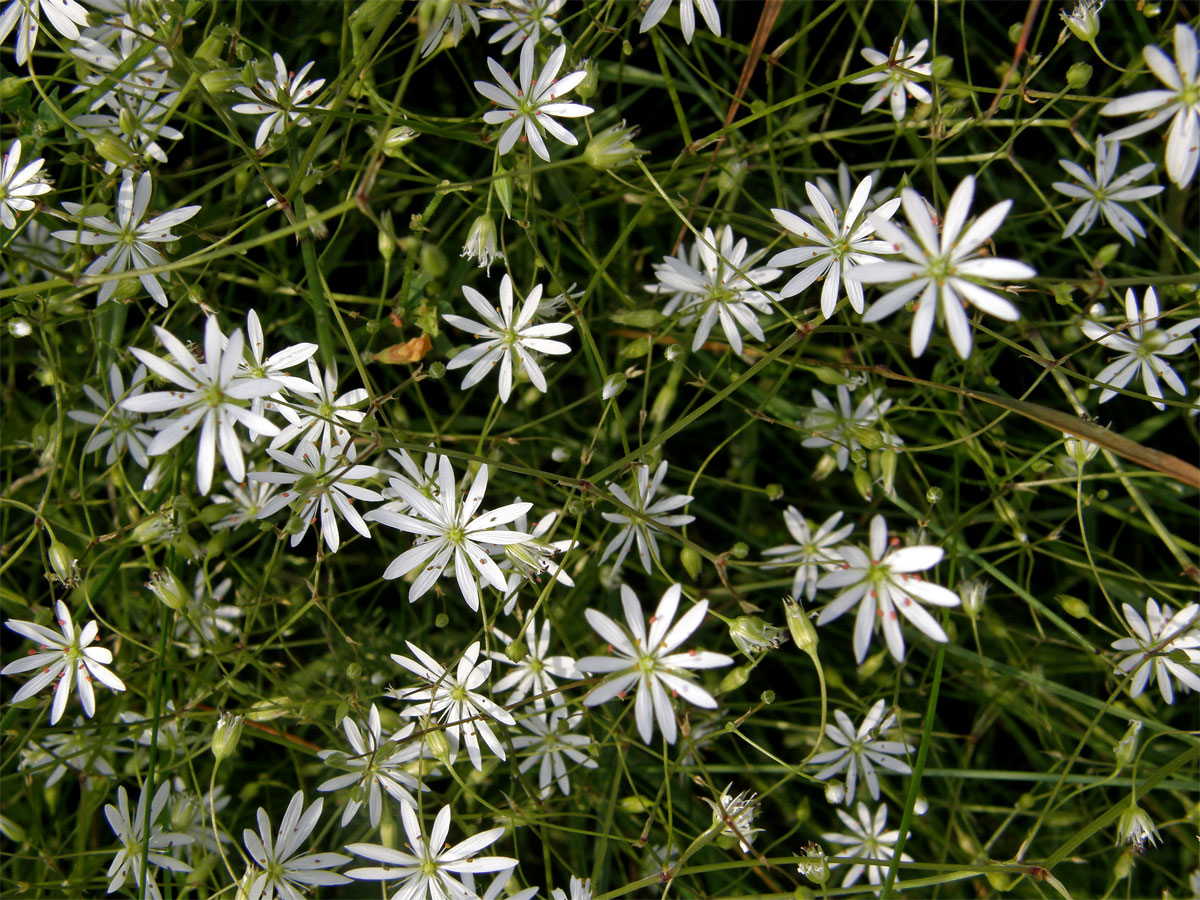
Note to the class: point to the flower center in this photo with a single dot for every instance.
(940, 269)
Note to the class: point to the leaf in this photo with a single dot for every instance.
(407, 353)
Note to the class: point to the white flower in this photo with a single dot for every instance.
(862, 750)
(884, 584)
(280, 870)
(648, 517)
(722, 286)
(531, 106)
(212, 396)
(247, 500)
(687, 16)
(1178, 101)
(481, 243)
(1142, 348)
(194, 816)
(132, 238)
(319, 422)
(77, 747)
(282, 100)
(814, 553)
(1154, 638)
(647, 662)
(108, 45)
(581, 889)
(319, 480)
(1137, 828)
(734, 816)
(70, 660)
(899, 80)
(524, 21)
(686, 258)
(534, 673)
(867, 840)
(115, 428)
(511, 342)
(842, 426)
(65, 15)
(946, 272)
(455, 17)
(428, 872)
(205, 617)
(451, 529)
(275, 366)
(453, 700)
(137, 118)
(374, 763)
(17, 185)
(1105, 196)
(550, 741)
(837, 249)
(132, 835)
(534, 558)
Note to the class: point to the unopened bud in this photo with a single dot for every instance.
(1079, 75)
(396, 139)
(835, 793)
(801, 626)
(112, 149)
(753, 635)
(613, 386)
(221, 81)
(560, 454)
(166, 587)
(1127, 746)
(1079, 450)
(611, 148)
(439, 747)
(734, 679)
(591, 80)
(516, 651)
(64, 565)
(1073, 606)
(226, 735)
(973, 592)
(126, 122)
(433, 261)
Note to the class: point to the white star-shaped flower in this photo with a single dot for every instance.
(687, 16)
(458, 16)
(282, 100)
(722, 286)
(530, 108)
(1142, 348)
(649, 516)
(18, 184)
(866, 840)
(427, 873)
(534, 674)
(550, 740)
(132, 835)
(213, 396)
(65, 15)
(115, 428)
(451, 530)
(1102, 195)
(862, 750)
(275, 869)
(320, 481)
(900, 79)
(523, 21)
(319, 421)
(841, 426)
(132, 238)
(453, 699)
(946, 270)
(1156, 636)
(813, 554)
(645, 660)
(506, 339)
(836, 248)
(884, 586)
(65, 657)
(1178, 101)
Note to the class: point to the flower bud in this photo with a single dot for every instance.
(692, 561)
(19, 328)
(560, 454)
(973, 592)
(1079, 450)
(396, 139)
(516, 651)
(1127, 746)
(591, 80)
(481, 244)
(752, 635)
(433, 261)
(221, 81)
(801, 626)
(1079, 75)
(112, 149)
(12, 88)
(835, 793)
(166, 587)
(439, 747)
(611, 148)
(613, 385)
(226, 735)
(734, 679)
(65, 567)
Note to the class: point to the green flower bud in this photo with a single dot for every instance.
(1073, 606)
(1078, 76)
(226, 735)
(439, 747)
(753, 635)
(591, 80)
(611, 148)
(1127, 746)
(933, 495)
(221, 81)
(734, 679)
(1078, 450)
(800, 626)
(613, 385)
(692, 561)
(166, 587)
(112, 149)
(973, 592)
(396, 139)
(1084, 20)
(433, 261)
(516, 651)
(64, 565)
